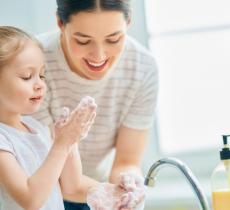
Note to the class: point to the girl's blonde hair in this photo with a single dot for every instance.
(12, 41)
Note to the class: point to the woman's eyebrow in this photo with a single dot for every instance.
(114, 34)
(87, 36)
(82, 35)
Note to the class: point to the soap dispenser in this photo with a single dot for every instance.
(221, 179)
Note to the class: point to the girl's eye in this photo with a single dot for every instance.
(26, 78)
(42, 77)
(82, 43)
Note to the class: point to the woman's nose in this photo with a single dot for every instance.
(98, 54)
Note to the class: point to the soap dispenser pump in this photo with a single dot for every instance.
(221, 179)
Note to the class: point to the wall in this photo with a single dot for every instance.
(35, 16)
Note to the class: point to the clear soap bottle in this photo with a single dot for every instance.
(221, 179)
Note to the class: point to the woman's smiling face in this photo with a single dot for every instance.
(93, 41)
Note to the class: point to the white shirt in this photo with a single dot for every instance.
(30, 150)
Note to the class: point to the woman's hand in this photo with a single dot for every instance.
(128, 195)
(105, 196)
(133, 184)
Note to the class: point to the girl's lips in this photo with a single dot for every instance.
(96, 67)
(36, 99)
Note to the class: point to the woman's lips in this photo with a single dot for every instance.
(96, 67)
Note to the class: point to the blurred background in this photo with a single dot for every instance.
(190, 41)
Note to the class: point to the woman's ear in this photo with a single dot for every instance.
(129, 20)
(59, 22)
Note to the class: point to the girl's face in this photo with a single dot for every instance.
(22, 85)
(93, 41)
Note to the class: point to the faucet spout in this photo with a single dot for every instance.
(150, 179)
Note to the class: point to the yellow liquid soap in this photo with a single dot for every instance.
(221, 200)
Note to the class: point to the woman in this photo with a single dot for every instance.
(92, 55)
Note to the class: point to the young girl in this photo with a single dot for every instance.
(30, 165)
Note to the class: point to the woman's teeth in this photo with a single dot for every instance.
(96, 64)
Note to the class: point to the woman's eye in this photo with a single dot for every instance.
(113, 41)
(82, 43)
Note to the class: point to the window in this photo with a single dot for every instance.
(191, 43)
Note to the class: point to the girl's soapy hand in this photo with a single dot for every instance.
(74, 126)
(86, 111)
(63, 117)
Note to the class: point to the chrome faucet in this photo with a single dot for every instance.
(150, 179)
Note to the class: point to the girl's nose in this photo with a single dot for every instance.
(39, 84)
